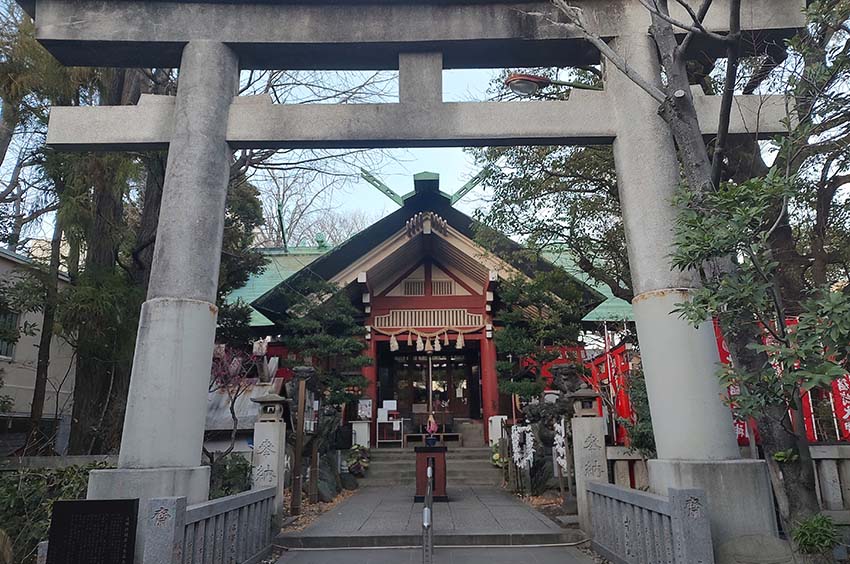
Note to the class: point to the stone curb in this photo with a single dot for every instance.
(365, 541)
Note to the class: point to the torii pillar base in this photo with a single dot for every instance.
(738, 493)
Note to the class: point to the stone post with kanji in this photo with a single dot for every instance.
(269, 460)
(591, 464)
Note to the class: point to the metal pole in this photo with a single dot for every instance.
(427, 516)
(430, 386)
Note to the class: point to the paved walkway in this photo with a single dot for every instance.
(500, 555)
(391, 511)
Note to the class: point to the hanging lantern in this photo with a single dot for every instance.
(393, 343)
(409, 339)
(420, 346)
(459, 344)
(428, 347)
(437, 346)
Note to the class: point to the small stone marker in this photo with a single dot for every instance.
(591, 464)
(93, 532)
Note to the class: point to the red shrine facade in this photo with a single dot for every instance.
(427, 292)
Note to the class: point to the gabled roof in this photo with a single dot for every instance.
(425, 198)
(27, 262)
(612, 309)
(283, 263)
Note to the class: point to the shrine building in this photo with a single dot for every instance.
(427, 292)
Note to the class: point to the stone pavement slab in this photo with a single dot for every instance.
(391, 510)
(388, 516)
(500, 555)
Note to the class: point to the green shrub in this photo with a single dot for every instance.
(26, 502)
(496, 457)
(357, 460)
(230, 475)
(816, 535)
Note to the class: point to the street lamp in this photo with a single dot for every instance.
(530, 84)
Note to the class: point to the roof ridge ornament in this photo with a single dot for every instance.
(453, 198)
(426, 223)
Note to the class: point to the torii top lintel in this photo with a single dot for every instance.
(358, 34)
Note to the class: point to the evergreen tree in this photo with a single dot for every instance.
(325, 330)
(534, 318)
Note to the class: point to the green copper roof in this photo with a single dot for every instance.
(282, 265)
(612, 309)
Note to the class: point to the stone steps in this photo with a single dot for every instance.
(472, 433)
(408, 453)
(464, 467)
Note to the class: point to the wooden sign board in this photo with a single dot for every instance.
(93, 532)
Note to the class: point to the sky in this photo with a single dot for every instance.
(454, 166)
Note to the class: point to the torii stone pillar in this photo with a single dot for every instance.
(693, 428)
(166, 406)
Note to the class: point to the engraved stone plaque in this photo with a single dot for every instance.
(93, 532)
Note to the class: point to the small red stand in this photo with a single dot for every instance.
(438, 455)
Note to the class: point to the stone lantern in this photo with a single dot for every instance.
(584, 402)
(271, 408)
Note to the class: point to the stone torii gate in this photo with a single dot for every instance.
(211, 40)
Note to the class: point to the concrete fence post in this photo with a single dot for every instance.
(164, 523)
(691, 527)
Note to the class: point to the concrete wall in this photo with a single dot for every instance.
(18, 371)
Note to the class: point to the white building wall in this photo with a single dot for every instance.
(18, 370)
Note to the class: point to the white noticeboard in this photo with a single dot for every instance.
(364, 410)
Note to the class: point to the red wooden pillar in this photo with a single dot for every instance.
(489, 384)
(370, 372)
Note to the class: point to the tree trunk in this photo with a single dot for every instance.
(34, 441)
(146, 236)
(100, 378)
(8, 123)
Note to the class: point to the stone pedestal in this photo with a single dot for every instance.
(146, 484)
(591, 464)
(738, 493)
(269, 462)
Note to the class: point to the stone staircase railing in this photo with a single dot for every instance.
(635, 527)
(233, 530)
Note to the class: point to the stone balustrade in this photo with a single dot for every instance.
(235, 530)
(635, 527)
(832, 472)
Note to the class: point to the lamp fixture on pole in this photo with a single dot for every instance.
(530, 84)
